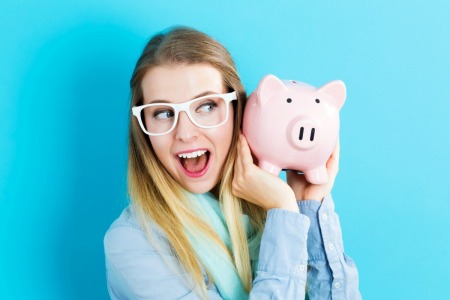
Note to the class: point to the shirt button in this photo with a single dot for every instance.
(331, 246)
(337, 285)
(324, 216)
(302, 268)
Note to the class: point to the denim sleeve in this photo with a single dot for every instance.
(331, 273)
(281, 272)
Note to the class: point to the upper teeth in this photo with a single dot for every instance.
(192, 154)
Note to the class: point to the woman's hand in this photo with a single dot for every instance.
(258, 186)
(306, 191)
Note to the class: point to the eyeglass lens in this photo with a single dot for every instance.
(208, 112)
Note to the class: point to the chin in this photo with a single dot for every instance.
(199, 187)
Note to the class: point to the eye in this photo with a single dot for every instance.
(206, 107)
(317, 101)
(289, 100)
(163, 114)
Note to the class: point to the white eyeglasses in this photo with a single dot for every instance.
(205, 112)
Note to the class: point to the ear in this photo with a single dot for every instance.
(337, 90)
(269, 85)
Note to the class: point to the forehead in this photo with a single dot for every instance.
(179, 83)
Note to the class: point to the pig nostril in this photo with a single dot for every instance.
(311, 138)
(301, 134)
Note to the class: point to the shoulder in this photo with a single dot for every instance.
(137, 261)
(127, 234)
(126, 219)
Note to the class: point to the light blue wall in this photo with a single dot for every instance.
(64, 71)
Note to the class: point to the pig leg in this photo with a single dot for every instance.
(269, 167)
(318, 175)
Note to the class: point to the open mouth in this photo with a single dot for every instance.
(195, 163)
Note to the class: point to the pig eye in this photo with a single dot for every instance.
(289, 100)
(317, 101)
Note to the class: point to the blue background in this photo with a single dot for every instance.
(64, 72)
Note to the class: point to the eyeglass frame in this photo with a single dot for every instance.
(179, 107)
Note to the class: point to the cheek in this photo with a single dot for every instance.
(226, 135)
(159, 147)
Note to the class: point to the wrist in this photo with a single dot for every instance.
(291, 207)
(283, 198)
(290, 204)
(313, 196)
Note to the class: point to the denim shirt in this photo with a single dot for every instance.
(301, 255)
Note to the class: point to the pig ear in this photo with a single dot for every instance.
(267, 86)
(337, 90)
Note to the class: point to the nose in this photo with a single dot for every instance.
(185, 129)
(304, 133)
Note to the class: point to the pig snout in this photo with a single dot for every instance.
(303, 133)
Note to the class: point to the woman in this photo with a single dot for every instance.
(205, 222)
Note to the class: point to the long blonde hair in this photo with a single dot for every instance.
(154, 193)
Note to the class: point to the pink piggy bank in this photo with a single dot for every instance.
(293, 125)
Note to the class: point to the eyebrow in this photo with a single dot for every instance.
(197, 96)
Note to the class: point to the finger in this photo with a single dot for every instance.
(333, 161)
(240, 163)
(244, 149)
(337, 150)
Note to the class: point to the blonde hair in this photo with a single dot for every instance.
(155, 194)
